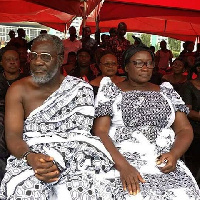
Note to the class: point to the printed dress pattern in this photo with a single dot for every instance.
(61, 128)
(141, 130)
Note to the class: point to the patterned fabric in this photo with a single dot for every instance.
(60, 128)
(141, 130)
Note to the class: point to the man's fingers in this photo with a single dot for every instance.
(48, 177)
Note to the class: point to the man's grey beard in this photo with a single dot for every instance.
(46, 78)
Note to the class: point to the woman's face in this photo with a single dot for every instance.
(140, 67)
(178, 67)
(108, 65)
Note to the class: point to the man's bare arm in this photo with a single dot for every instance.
(43, 165)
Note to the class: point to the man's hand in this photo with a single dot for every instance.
(44, 167)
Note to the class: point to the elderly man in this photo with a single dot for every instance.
(47, 124)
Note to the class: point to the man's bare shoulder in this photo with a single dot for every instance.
(20, 85)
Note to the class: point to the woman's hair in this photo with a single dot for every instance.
(83, 50)
(196, 64)
(182, 60)
(133, 50)
(103, 53)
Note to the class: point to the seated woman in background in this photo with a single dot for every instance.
(84, 68)
(146, 131)
(67, 68)
(177, 79)
(191, 96)
(108, 67)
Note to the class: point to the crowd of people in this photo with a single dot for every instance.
(86, 120)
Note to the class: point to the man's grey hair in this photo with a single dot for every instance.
(57, 42)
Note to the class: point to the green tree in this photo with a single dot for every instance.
(146, 39)
(130, 38)
(175, 46)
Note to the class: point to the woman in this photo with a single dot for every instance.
(108, 67)
(146, 131)
(68, 68)
(191, 96)
(84, 69)
(177, 79)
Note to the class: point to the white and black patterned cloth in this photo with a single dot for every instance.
(141, 130)
(60, 127)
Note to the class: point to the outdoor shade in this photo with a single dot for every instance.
(176, 19)
(22, 11)
(73, 7)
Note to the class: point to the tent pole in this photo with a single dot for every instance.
(84, 12)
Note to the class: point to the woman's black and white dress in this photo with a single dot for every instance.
(141, 130)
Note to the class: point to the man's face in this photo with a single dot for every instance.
(87, 32)
(72, 31)
(83, 59)
(10, 62)
(163, 45)
(122, 29)
(44, 67)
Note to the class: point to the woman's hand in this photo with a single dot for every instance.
(130, 178)
(169, 160)
(44, 167)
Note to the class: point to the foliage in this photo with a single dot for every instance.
(175, 54)
(130, 38)
(146, 39)
(174, 45)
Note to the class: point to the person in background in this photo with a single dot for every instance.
(137, 41)
(191, 96)
(11, 73)
(119, 44)
(177, 78)
(88, 42)
(146, 130)
(108, 67)
(163, 57)
(112, 32)
(24, 61)
(68, 68)
(20, 40)
(12, 38)
(84, 68)
(104, 41)
(152, 48)
(71, 44)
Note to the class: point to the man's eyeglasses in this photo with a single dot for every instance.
(109, 64)
(140, 64)
(46, 57)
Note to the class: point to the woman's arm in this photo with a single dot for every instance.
(130, 177)
(183, 138)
